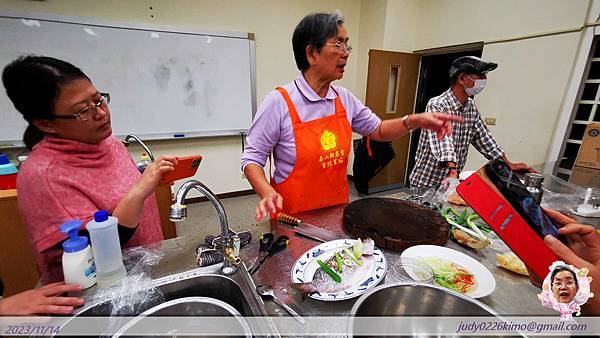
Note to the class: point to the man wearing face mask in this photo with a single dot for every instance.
(445, 158)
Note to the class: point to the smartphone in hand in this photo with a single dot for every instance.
(185, 167)
(506, 205)
(521, 199)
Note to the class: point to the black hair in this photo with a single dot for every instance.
(559, 269)
(33, 85)
(314, 30)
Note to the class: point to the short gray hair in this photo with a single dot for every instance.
(314, 30)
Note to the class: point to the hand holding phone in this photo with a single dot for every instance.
(504, 203)
(185, 167)
(521, 199)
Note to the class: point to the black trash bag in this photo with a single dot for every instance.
(370, 157)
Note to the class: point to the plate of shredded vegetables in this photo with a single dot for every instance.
(454, 270)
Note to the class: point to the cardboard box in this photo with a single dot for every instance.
(585, 177)
(589, 152)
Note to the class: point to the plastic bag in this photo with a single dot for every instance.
(561, 195)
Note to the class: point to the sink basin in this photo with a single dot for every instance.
(406, 299)
(190, 306)
(213, 286)
(198, 292)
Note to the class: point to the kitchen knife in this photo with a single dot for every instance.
(307, 229)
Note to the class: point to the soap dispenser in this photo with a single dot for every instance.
(104, 235)
(77, 260)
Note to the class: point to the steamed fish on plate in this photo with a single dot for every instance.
(345, 268)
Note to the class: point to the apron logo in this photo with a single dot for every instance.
(328, 140)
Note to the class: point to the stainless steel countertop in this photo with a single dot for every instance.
(514, 294)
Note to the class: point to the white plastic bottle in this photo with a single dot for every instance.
(107, 248)
(77, 260)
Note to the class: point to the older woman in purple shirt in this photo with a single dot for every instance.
(321, 51)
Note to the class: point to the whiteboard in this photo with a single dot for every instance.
(164, 82)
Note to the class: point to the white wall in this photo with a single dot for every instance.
(402, 24)
(273, 23)
(453, 22)
(371, 35)
(526, 92)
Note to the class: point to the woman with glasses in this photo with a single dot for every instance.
(307, 124)
(76, 166)
(564, 284)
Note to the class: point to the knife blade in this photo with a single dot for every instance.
(307, 229)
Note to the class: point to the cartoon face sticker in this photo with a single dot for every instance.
(328, 140)
(563, 284)
(565, 289)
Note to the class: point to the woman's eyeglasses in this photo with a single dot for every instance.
(568, 283)
(341, 46)
(87, 112)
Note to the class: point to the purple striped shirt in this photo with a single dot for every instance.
(272, 130)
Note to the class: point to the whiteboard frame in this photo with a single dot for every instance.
(98, 22)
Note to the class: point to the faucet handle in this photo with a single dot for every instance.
(231, 257)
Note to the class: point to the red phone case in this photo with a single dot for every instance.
(185, 167)
(498, 213)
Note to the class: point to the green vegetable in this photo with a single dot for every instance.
(329, 271)
(471, 221)
(358, 248)
(351, 255)
(450, 275)
(466, 218)
(339, 262)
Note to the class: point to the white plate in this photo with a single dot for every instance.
(305, 267)
(485, 282)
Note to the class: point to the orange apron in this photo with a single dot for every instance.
(318, 178)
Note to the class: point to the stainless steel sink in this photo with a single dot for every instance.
(191, 306)
(236, 291)
(406, 299)
(178, 286)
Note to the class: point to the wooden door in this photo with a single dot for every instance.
(391, 88)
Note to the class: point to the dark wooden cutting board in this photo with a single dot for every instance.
(395, 224)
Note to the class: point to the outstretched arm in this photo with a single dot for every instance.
(393, 129)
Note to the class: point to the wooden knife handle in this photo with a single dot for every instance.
(288, 219)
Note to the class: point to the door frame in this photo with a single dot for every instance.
(419, 98)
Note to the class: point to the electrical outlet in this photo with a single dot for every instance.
(490, 121)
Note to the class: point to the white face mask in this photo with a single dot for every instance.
(477, 87)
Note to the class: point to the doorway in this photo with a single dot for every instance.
(433, 81)
(391, 87)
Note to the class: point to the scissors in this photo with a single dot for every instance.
(269, 246)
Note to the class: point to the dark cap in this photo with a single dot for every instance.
(470, 65)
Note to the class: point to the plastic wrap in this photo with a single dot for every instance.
(561, 195)
(135, 290)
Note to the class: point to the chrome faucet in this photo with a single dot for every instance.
(179, 213)
(131, 136)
